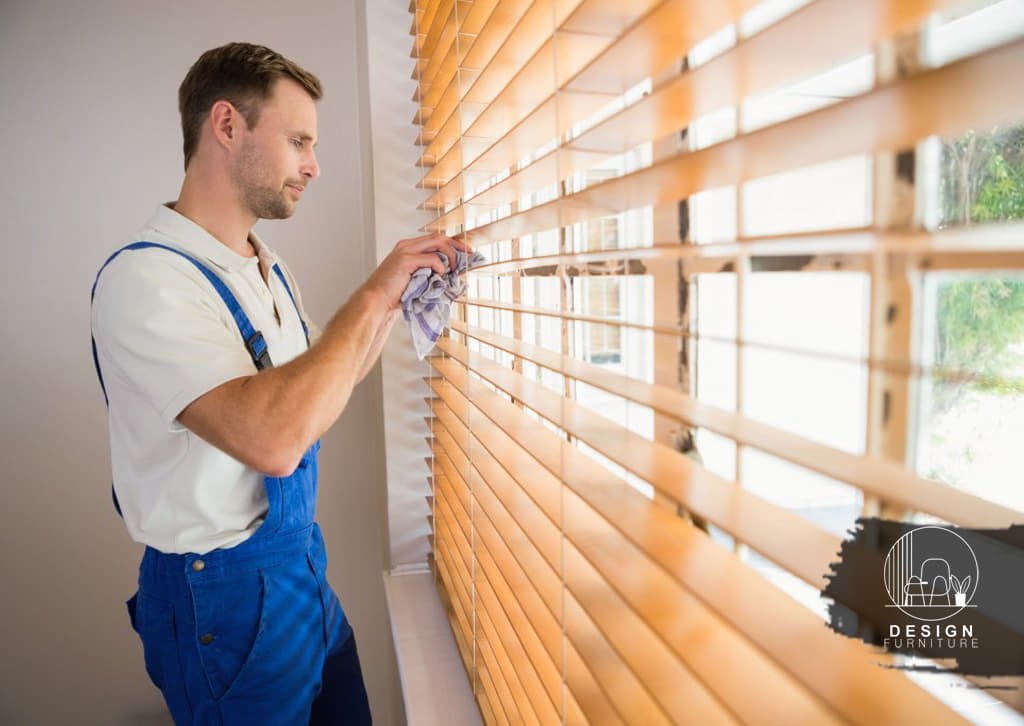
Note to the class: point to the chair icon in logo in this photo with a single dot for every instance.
(931, 587)
(931, 573)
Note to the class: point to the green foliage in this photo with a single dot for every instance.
(982, 177)
(981, 320)
(1002, 197)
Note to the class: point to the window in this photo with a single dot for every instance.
(719, 280)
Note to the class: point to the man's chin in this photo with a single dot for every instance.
(279, 212)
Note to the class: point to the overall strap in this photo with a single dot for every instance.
(280, 276)
(252, 338)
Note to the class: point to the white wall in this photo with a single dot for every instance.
(90, 144)
(395, 200)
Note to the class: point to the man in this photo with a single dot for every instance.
(216, 407)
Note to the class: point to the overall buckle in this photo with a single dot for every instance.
(257, 348)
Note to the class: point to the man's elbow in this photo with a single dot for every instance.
(280, 468)
(278, 460)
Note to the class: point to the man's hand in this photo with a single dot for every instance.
(392, 276)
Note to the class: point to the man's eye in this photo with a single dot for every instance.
(297, 143)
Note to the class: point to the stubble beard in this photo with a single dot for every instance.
(262, 200)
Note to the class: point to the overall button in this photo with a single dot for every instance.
(206, 639)
(198, 565)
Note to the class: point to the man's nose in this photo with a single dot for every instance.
(311, 169)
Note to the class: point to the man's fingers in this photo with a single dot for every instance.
(452, 256)
(427, 239)
(430, 242)
(444, 245)
(463, 245)
(429, 260)
(421, 238)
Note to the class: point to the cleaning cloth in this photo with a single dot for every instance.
(427, 300)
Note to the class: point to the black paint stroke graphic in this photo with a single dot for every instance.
(861, 582)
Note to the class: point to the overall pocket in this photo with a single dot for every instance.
(153, 620)
(284, 664)
(229, 620)
(335, 624)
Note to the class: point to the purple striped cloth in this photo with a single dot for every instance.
(427, 300)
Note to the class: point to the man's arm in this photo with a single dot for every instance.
(268, 420)
(378, 344)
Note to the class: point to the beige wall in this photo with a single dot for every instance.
(90, 143)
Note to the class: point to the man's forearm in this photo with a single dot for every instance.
(378, 344)
(268, 420)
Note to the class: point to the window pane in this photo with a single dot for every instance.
(821, 398)
(970, 424)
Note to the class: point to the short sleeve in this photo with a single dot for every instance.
(162, 330)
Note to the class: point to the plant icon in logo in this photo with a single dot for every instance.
(960, 589)
(930, 573)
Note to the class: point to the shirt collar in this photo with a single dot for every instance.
(194, 239)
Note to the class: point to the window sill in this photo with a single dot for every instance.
(435, 689)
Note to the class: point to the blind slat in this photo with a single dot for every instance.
(806, 550)
(498, 24)
(430, 13)
(523, 92)
(543, 622)
(497, 557)
(902, 368)
(572, 552)
(719, 646)
(516, 536)
(982, 241)
(501, 699)
(502, 682)
(526, 539)
(888, 480)
(506, 638)
(469, 27)
(556, 60)
(593, 651)
(435, 21)
(485, 706)
(542, 493)
(488, 629)
(620, 64)
(675, 688)
(711, 647)
(607, 553)
(507, 40)
(844, 674)
(442, 40)
(459, 607)
(542, 658)
(978, 91)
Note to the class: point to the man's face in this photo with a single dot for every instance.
(276, 159)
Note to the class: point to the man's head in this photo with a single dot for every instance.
(254, 110)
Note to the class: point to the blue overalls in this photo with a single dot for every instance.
(251, 634)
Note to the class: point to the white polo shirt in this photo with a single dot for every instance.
(164, 337)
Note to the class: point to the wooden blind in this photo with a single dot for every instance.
(575, 552)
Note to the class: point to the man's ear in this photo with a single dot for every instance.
(226, 123)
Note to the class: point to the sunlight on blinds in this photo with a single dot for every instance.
(754, 271)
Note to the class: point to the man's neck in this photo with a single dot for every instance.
(210, 201)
